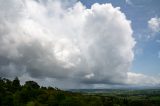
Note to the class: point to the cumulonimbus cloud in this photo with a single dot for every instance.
(65, 42)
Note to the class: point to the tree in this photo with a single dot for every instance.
(16, 84)
(32, 84)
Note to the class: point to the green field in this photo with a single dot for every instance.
(124, 97)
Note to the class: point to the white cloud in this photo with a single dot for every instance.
(141, 79)
(65, 43)
(154, 24)
(129, 2)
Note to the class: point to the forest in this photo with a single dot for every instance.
(12, 93)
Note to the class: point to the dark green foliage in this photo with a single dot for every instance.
(16, 85)
(31, 84)
(31, 94)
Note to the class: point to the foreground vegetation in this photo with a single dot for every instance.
(31, 94)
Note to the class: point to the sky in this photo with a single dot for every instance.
(81, 44)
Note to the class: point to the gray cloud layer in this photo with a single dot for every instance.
(65, 43)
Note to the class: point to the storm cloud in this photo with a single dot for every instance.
(65, 43)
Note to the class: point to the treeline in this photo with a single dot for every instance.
(31, 94)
